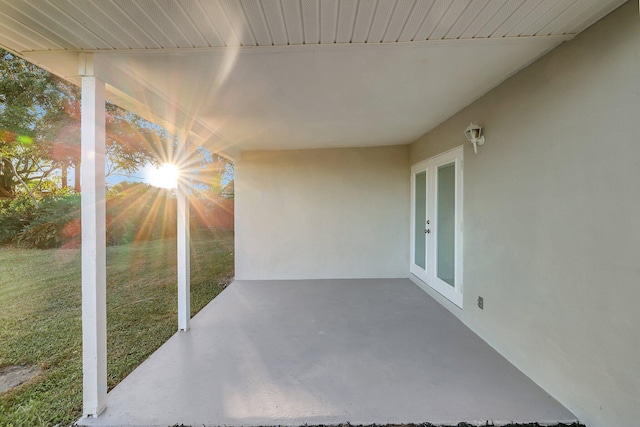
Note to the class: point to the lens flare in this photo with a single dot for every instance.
(165, 176)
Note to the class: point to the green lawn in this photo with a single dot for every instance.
(40, 324)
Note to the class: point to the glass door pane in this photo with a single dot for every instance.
(446, 224)
(420, 218)
(436, 224)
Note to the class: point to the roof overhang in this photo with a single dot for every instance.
(261, 87)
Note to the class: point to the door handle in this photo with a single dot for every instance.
(427, 231)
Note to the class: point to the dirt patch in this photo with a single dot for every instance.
(13, 376)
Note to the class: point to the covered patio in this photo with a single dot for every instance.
(346, 122)
(362, 351)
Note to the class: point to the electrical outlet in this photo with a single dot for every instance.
(481, 303)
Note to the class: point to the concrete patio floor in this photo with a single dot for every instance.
(326, 352)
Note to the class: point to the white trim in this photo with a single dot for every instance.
(454, 309)
(94, 282)
(429, 275)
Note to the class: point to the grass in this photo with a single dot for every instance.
(40, 317)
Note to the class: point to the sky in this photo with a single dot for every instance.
(148, 174)
(141, 175)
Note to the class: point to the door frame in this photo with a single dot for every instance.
(428, 275)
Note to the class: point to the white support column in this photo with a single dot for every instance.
(184, 239)
(94, 286)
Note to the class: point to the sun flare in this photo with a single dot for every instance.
(165, 176)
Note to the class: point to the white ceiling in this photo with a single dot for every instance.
(283, 74)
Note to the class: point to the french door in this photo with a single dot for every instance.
(436, 223)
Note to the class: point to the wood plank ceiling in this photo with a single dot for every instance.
(33, 25)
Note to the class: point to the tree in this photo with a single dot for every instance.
(130, 141)
(214, 174)
(29, 96)
(40, 130)
(40, 135)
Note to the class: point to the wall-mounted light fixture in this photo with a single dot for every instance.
(474, 136)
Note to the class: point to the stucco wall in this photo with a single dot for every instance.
(552, 219)
(330, 213)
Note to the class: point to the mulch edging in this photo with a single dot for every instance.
(429, 425)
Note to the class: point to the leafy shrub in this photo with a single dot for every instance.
(139, 212)
(15, 215)
(134, 212)
(41, 236)
(54, 223)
